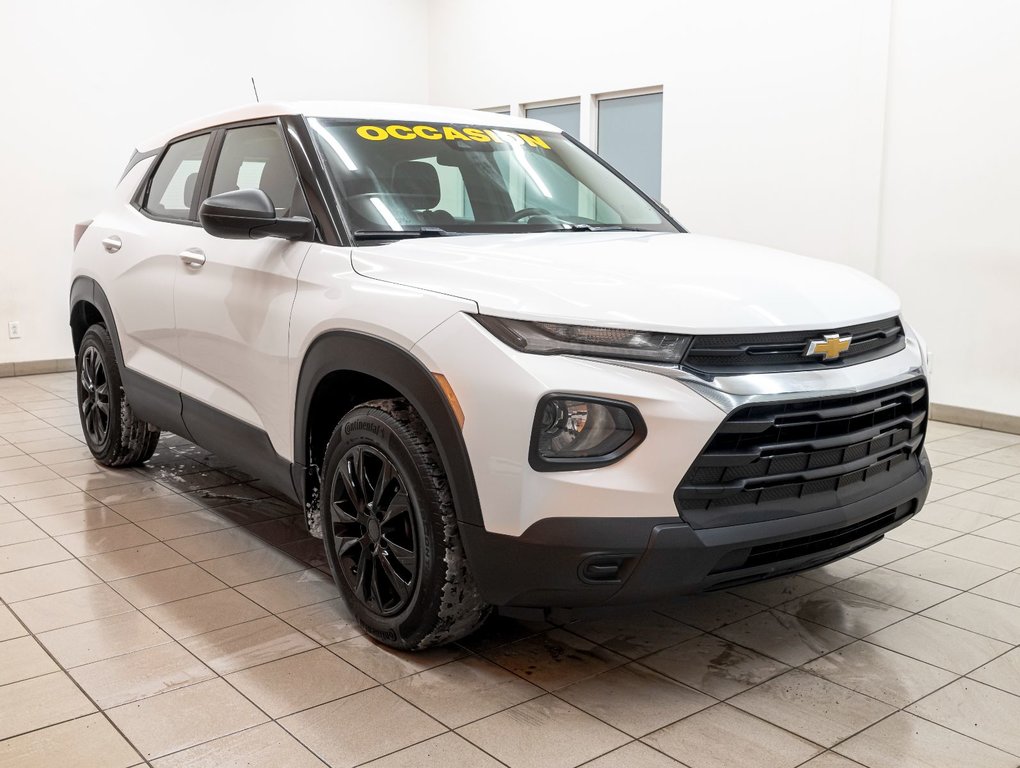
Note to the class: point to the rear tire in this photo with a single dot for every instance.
(390, 530)
(113, 434)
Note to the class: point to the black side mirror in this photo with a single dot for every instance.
(248, 214)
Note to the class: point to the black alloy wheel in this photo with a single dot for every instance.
(94, 396)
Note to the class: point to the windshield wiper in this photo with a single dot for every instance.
(571, 227)
(401, 234)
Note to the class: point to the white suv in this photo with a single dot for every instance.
(491, 369)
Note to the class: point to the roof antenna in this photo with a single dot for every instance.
(255, 89)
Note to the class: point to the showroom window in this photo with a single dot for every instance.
(630, 138)
(566, 117)
(255, 157)
(173, 184)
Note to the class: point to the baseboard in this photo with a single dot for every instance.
(35, 367)
(972, 417)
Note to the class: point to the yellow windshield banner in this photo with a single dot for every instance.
(448, 133)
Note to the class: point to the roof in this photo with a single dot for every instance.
(367, 110)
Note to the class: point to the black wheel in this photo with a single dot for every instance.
(391, 532)
(115, 437)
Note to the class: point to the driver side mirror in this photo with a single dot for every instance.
(249, 214)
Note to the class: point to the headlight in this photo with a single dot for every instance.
(540, 338)
(575, 432)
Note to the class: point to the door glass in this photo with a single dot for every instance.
(256, 157)
(630, 138)
(173, 184)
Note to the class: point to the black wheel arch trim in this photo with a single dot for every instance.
(350, 351)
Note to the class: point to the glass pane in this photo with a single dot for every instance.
(256, 158)
(566, 117)
(630, 139)
(173, 183)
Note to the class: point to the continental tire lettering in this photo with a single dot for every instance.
(372, 132)
(400, 132)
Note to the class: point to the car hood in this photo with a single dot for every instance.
(644, 280)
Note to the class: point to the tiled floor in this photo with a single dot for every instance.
(178, 615)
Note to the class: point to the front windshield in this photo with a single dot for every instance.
(412, 179)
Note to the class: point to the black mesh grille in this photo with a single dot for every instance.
(776, 459)
(749, 353)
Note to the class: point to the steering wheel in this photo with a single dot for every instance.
(526, 212)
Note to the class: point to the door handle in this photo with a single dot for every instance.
(112, 244)
(193, 257)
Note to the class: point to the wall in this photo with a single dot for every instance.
(82, 82)
(877, 133)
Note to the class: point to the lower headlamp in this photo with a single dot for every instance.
(577, 432)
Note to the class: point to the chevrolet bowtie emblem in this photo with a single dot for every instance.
(831, 347)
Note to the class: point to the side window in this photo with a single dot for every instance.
(257, 158)
(173, 184)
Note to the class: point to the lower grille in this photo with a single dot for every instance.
(775, 459)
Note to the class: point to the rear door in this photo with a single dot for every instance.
(233, 311)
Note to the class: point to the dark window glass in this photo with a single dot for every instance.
(173, 184)
(566, 117)
(257, 158)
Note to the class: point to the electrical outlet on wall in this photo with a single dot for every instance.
(14, 329)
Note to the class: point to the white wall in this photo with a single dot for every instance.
(779, 129)
(83, 81)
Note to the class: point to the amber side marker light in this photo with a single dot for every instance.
(451, 398)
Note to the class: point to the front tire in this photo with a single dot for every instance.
(113, 434)
(390, 530)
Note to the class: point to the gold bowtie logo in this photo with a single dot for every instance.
(830, 347)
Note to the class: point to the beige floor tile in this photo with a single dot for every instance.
(943, 645)
(447, 749)
(976, 710)
(264, 745)
(255, 565)
(102, 540)
(225, 494)
(10, 627)
(149, 589)
(204, 613)
(1009, 456)
(711, 611)
(921, 534)
(361, 739)
(715, 666)
(185, 524)
(830, 760)
(17, 461)
(880, 673)
(898, 589)
(915, 743)
(809, 706)
(140, 674)
(982, 550)
(76, 522)
(55, 505)
(884, 552)
(990, 469)
(122, 494)
(12, 477)
(327, 622)
(75, 606)
(953, 476)
(228, 541)
(543, 732)
(633, 633)
(77, 453)
(38, 702)
(633, 755)
(464, 690)
(44, 580)
(75, 468)
(978, 501)
(102, 639)
(555, 659)
(91, 742)
(955, 518)
(299, 682)
(784, 636)
(23, 658)
(293, 590)
(124, 563)
(945, 569)
(29, 554)
(980, 614)
(386, 664)
(245, 645)
(1007, 531)
(844, 611)
(1002, 673)
(775, 591)
(835, 572)
(8, 514)
(19, 531)
(1006, 589)
(635, 699)
(37, 490)
(160, 506)
(725, 737)
(185, 717)
(1006, 489)
(101, 478)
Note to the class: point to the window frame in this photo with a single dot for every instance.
(140, 198)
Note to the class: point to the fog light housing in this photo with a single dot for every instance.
(574, 432)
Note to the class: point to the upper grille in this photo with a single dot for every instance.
(775, 459)
(759, 352)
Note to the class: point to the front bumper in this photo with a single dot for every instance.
(573, 562)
